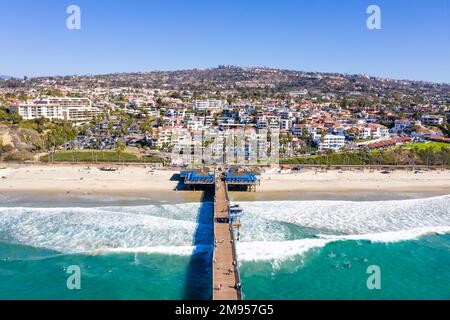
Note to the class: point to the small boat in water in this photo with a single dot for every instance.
(235, 207)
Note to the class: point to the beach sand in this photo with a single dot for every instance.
(355, 185)
(85, 179)
(357, 180)
(142, 180)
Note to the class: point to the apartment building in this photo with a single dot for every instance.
(330, 142)
(285, 124)
(268, 121)
(195, 123)
(403, 124)
(73, 109)
(432, 120)
(378, 131)
(211, 104)
(165, 136)
(297, 129)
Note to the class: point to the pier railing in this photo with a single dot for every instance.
(237, 272)
(235, 255)
(226, 276)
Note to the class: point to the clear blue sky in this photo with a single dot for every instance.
(146, 35)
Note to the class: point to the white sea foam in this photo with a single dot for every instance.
(282, 250)
(271, 230)
(72, 230)
(164, 250)
(344, 217)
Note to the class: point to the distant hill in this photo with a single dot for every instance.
(267, 80)
(4, 77)
(251, 81)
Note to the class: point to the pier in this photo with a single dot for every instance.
(226, 282)
(226, 278)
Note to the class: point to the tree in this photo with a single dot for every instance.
(11, 117)
(4, 115)
(120, 147)
(175, 95)
(344, 103)
(60, 134)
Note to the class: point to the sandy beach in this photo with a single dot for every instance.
(357, 180)
(142, 180)
(85, 179)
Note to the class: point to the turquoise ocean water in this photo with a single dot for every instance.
(141, 249)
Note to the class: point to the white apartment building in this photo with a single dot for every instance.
(285, 124)
(171, 136)
(209, 120)
(178, 112)
(261, 123)
(225, 122)
(286, 115)
(330, 142)
(432, 120)
(211, 104)
(74, 109)
(268, 121)
(173, 121)
(195, 123)
(378, 131)
(403, 124)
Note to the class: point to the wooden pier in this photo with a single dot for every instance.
(226, 278)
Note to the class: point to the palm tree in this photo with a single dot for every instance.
(120, 147)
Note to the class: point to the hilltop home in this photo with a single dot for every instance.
(432, 120)
(404, 124)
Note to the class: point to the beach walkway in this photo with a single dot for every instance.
(225, 267)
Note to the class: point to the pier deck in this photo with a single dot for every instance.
(225, 269)
(226, 278)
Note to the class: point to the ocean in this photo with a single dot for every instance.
(139, 248)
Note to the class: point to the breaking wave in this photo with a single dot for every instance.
(281, 250)
(274, 230)
(75, 230)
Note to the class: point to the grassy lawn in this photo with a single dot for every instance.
(395, 155)
(96, 156)
(349, 158)
(437, 146)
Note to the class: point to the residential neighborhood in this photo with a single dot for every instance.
(353, 113)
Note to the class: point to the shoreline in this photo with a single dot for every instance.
(146, 181)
